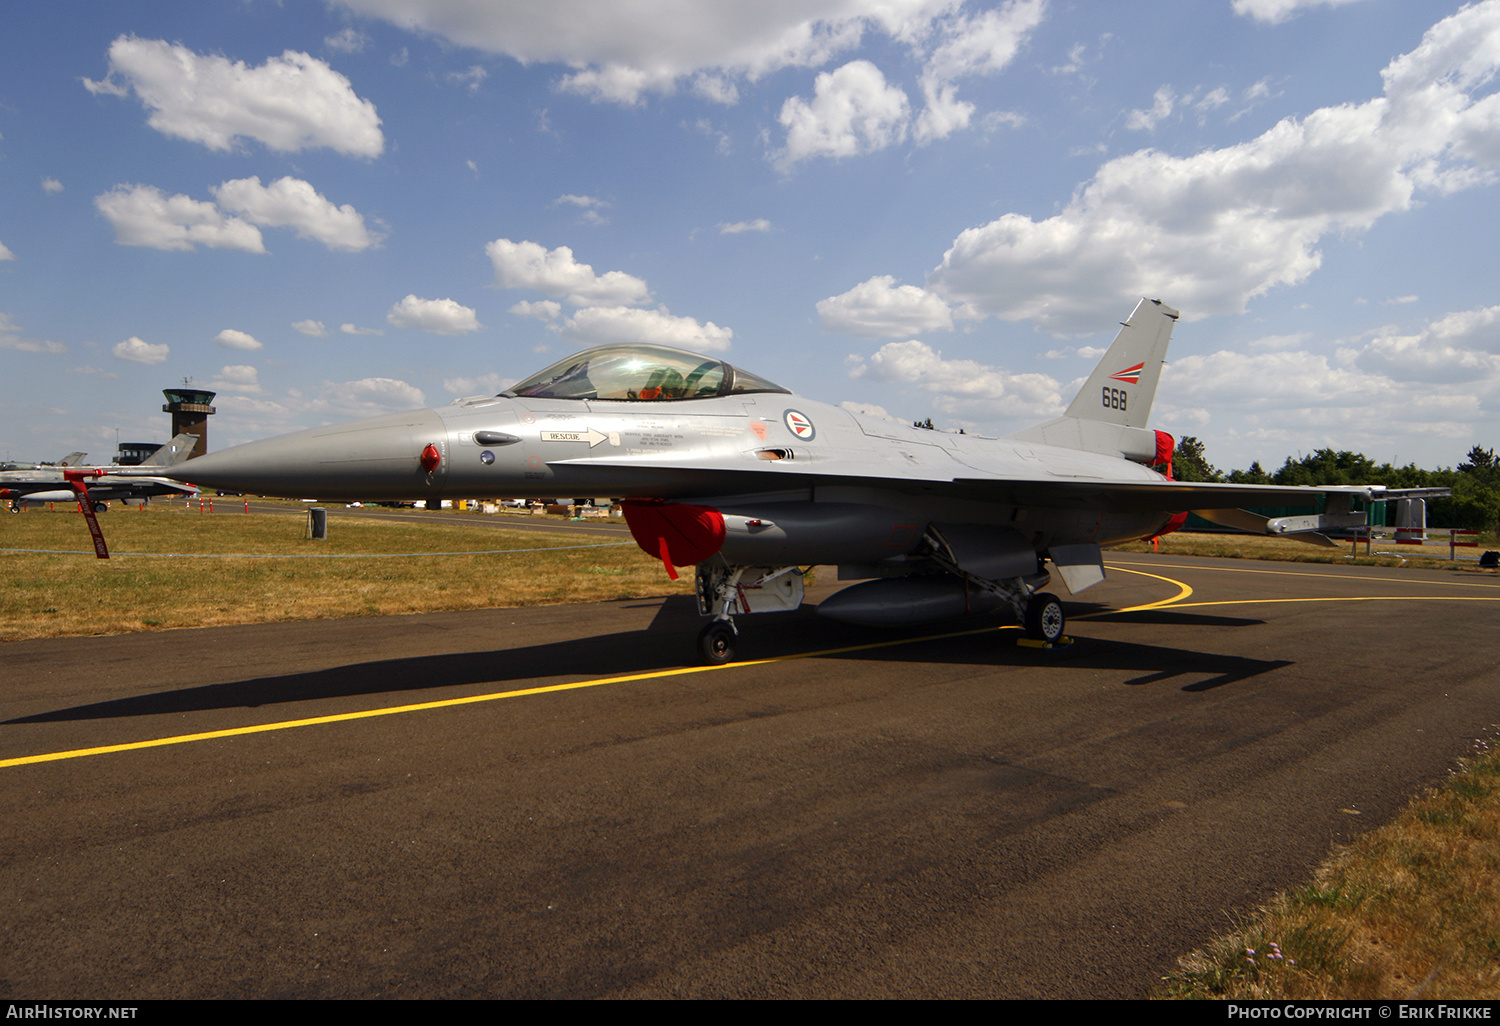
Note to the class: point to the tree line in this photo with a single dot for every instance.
(1474, 504)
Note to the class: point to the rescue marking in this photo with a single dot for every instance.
(589, 435)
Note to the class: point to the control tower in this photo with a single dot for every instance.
(190, 409)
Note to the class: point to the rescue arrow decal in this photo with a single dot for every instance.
(1130, 375)
(590, 436)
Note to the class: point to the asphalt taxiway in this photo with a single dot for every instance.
(554, 802)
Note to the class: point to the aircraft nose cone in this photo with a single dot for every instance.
(382, 457)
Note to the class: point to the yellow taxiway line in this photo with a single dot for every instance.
(1176, 601)
(447, 703)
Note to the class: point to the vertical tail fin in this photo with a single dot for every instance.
(1123, 386)
(1109, 415)
(173, 453)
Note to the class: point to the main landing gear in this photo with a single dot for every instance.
(1044, 618)
(726, 591)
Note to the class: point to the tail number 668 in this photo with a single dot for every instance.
(1114, 398)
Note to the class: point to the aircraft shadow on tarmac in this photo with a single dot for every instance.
(1165, 616)
(669, 644)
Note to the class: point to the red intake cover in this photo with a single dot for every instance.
(1178, 519)
(1165, 446)
(674, 532)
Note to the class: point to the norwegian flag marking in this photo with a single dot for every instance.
(799, 425)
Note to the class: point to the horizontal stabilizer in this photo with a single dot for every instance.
(1303, 529)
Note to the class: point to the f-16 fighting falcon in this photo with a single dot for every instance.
(721, 469)
(94, 487)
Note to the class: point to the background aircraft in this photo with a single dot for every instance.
(93, 488)
(725, 470)
(72, 459)
(42, 483)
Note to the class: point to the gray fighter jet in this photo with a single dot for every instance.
(726, 471)
(93, 488)
(72, 459)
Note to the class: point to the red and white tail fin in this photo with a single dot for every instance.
(1109, 415)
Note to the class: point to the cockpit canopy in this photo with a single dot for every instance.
(639, 372)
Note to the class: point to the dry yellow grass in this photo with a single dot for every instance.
(1246, 546)
(52, 595)
(1410, 910)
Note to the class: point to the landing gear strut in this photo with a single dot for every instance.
(727, 591)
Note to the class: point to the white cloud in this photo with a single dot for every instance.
(1161, 108)
(142, 215)
(1461, 348)
(10, 338)
(229, 338)
(241, 378)
(1075, 352)
(1274, 12)
(870, 410)
(917, 363)
(597, 325)
(289, 103)
(471, 79)
(760, 224)
(353, 329)
(292, 203)
(623, 51)
(852, 111)
(528, 265)
(349, 40)
(5, 253)
(137, 351)
(963, 386)
(314, 329)
(592, 207)
(439, 316)
(51, 186)
(367, 397)
(1283, 396)
(484, 384)
(1208, 232)
(542, 310)
(331, 401)
(982, 45)
(879, 308)
(943, 115)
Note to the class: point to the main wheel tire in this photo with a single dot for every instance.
(716, 643)
(1044, 617)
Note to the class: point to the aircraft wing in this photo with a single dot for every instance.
(1071, 487)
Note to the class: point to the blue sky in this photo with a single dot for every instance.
(917, 207)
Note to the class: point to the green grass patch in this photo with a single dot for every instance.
(1410, 910)
(51, 594)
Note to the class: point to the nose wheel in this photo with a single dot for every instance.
(1044, 618)
(716, 643)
